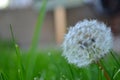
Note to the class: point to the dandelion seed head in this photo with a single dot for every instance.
(87, 42)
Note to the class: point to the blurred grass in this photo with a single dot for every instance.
(50, 65)
(35, 40)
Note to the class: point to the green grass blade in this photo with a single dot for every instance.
(3, 76)
(113, 55)
(99, 73)
(21, 70)
(35, 40)
(11, 30)
(116, 74)
(71, 72)
(114, 71)
(38, 27)
(19, 61)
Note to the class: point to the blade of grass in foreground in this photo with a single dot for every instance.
(35, 39)
(116, 74)
(3, 76)
(39, 23)
(113, 55)
(19, 61)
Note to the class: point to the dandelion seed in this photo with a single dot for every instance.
(87, 42)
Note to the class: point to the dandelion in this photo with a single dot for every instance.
(87, 42)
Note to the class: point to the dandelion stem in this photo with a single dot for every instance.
(103, 69)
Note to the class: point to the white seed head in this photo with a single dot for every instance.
(87, 42)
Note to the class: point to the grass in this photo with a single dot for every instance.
(49, 65)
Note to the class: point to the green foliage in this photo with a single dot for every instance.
(50, 65)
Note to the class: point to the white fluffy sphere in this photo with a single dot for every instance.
(87, 42)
